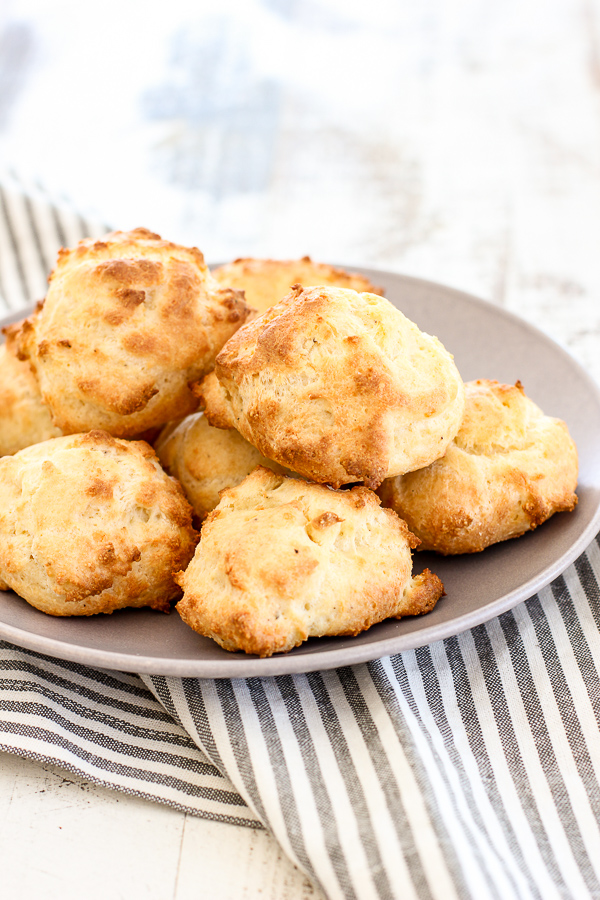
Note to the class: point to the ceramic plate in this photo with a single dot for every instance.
(487, 342)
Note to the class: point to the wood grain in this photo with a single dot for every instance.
(62, 838)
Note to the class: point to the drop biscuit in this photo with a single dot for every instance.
(128, 322)
(90, 524)
(509, 468)
(337, 386)
(282, 560)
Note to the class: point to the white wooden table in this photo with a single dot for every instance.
(62, 838)
(458, 141)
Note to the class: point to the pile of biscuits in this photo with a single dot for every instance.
(307, 437)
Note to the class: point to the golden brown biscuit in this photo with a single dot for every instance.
(337, 386)
(128, 322)
(24, 417)
(282, 560)
(90, 524)
(206, 460)
(508, 469)
(266, 281)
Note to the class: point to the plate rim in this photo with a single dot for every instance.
(239, 666)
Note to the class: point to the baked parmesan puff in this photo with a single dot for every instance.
(128, 322)
(207, 460)
(24, 417)
(508, 469)
(282, 560)
(90, 524)
(266, 281)
(337, 386)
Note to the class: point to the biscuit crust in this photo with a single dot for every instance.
(24, 417)
(207, 460)
(338, 386)
(282, 560)
(128, 322)
(90, 524)
(266, 281)
(509, 468)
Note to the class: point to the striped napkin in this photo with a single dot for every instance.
(465, 769)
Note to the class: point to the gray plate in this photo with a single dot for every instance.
(487, 342)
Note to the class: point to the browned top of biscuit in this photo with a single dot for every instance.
(139, 242)
(90, 523)
(337, 386)
(128, 322)
(281, 560)
(266, 281)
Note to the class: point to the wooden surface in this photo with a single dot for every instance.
(62, 838)
(458, 141)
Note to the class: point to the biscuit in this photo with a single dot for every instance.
(207, 460)
(266, 281)
(282, 560)
(128, 322)
(24, 417)
(337, 386)
(509, 468)
(90, 524)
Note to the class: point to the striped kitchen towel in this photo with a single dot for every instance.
(465, 769)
